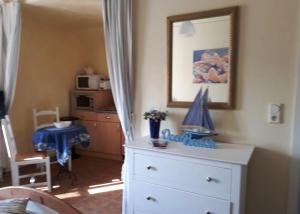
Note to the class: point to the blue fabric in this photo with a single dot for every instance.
(61, 140)
(2, 108)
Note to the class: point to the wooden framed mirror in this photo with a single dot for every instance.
(202, 52)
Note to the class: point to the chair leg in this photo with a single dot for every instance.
(48, 174)
(15, 175)
(70, 163)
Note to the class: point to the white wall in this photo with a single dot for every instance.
(49, 59)
(92, 47)
(266, 73)
(51, 54)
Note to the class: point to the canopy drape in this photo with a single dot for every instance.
(10, 29)
(117, 18)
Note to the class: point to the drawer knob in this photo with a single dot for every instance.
(149, 198)
(207, 212)
(150, 167)
(107, 117)
(208, 179)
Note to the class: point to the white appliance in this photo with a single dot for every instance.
(87, 82)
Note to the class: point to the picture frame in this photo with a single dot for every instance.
(202, 52)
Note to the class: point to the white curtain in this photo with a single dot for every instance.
(117, 18)
(10, 28)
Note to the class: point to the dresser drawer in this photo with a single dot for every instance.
(85, 115)
(106, 117)
(184, 175)
(150, 198)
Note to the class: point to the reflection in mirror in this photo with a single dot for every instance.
(201, 55)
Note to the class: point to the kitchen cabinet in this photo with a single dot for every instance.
(105, 134)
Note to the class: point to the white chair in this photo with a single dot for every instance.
(47, 113)
(37, 125)
(21, 159)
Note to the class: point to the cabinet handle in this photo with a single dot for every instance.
(95, 124)
(207, 212)
(107, 117)
(208, 179)
(149, 198)
(150, 167)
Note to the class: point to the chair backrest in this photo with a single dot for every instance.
(9, 138)
(44, 113)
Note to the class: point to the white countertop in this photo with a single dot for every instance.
(225, 152)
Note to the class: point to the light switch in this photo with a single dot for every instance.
(274, 113)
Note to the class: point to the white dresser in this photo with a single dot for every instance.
(187, 180)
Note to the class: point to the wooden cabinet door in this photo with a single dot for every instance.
(92, 130)
(109, 138)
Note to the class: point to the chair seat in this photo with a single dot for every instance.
(30, 156)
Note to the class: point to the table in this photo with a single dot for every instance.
(61, 140)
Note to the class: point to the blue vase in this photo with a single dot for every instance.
(154, 129)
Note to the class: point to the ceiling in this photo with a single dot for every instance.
(71, 12)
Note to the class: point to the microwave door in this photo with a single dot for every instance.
(83, 102)
(83, 82)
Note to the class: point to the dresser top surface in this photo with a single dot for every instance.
(225, 152)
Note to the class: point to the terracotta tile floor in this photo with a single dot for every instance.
(97, 190)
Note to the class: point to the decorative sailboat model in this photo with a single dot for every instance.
(198, 121)
(197, 126)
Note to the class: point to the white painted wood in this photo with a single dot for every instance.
(32, 174)
(48, 174)
(14, 165)
(176, 178)
(161, 200)
(194, 177)
(238, 189)
(45, 113)
(38, 114)
(36, 184)
(225, 152)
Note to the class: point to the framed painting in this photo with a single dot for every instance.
(202, 53)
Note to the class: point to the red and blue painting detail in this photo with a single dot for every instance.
(211, 65)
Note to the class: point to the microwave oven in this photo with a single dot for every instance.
(87, 82)
(83, 101)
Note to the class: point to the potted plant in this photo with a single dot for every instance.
(155, 117)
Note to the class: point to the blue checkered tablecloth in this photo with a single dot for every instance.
(61, 140)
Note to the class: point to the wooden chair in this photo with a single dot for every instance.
(47, 113)
(22, 159)
(37, 196)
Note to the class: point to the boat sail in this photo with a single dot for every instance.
(198, 120)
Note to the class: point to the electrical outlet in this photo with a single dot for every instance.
(274, 113)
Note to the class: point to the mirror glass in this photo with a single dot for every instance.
(201, 55)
